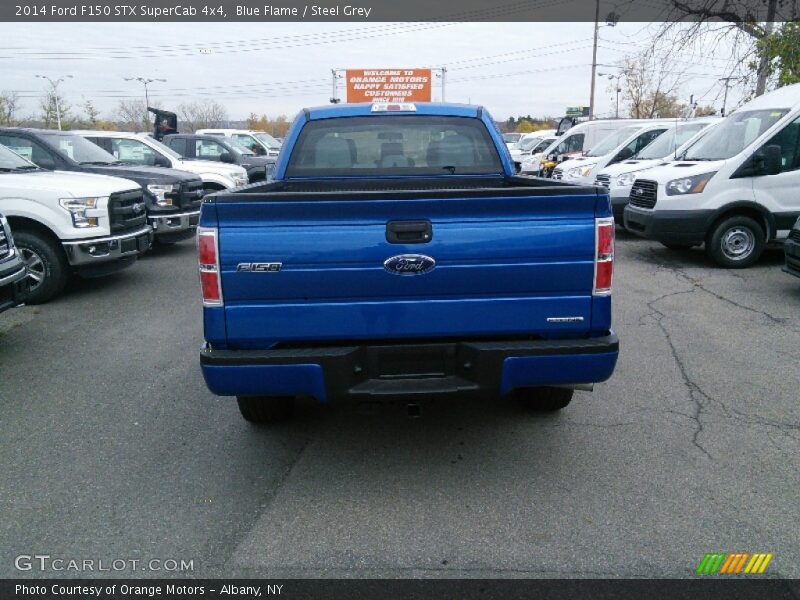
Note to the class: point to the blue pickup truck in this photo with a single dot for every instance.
(397, 253)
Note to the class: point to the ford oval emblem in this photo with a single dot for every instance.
(409, 264)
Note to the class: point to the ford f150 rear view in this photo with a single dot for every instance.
(397, 253)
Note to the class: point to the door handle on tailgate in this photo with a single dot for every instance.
(409, 232)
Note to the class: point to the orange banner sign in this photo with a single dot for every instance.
(388, 85)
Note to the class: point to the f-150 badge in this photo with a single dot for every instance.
(271, 267)
(409, 264)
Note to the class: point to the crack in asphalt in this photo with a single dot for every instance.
(696, 393)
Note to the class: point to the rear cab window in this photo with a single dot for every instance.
(394, 145)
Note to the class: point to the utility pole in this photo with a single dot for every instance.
(54, 85)
(727, 81)
(334, 99)
(444, 74)
(144, 81)
(761, 82)
(594, 57)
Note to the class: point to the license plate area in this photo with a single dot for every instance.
(412, 362)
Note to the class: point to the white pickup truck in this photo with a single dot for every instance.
(66, 223)
(142, 149)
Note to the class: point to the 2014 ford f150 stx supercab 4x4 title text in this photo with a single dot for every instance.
(397, 253)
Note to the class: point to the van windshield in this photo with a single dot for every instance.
(528, 143)
(734, 134)
(607, 144)
(667, 142)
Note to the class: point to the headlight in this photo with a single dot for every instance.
(573, 172)
(688, 185)
(160, 192)
(83, 211)
(239, 180)
(626, 180)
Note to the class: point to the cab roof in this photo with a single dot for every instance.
(442, 109)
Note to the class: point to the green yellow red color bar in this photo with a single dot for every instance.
(734, 563)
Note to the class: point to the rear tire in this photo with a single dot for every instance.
(546, 399)
(48, 269)
(265, 409)
(736, 242)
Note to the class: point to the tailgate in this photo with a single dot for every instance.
(504, 265)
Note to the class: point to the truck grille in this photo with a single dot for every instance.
(643, 193)
(191, 195)
(126, 211)
(5, 248)
(603, 180)
(558, 173)
(794, 235)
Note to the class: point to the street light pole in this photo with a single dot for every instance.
(727, 81)
(612, 77)
(594, 57)
(54, 85)
(144, 81)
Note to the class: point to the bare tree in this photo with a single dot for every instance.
(54, 107)
(650, 87)
(201, 115)
(133, 115)
(691, 24)
(9, 103)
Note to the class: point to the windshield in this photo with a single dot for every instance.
(11, 161)
(607, 144)
(393, 145)
(511, 138)
(733, 135)
(670, 140)
(79, 149)
(267, 139)
(542, 145)
(528, 143)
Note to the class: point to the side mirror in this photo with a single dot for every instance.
(517, 166)
(771, 159)
(161, 161)
(227, 157)
(46, 162)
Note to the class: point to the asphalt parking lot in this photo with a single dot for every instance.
(112, 448)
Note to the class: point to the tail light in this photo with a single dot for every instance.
(603, 256)
(208, 257)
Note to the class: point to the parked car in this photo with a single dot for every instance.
(530, 162)
(13, 276)
(528, 141)
(144, 150)
(172, 198)
(421, 279)
(734, 190)
(791, 250)
(219, 149)
(259, 142)
(580, 138)
(66, 223)
(619, 177)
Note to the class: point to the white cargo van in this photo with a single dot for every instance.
(734, 190)
(618, 178)
(580, 138)
(618, 146)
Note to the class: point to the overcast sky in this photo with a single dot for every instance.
(511, 68)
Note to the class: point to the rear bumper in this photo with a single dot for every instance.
(792, 251)
(669, 226)
(403, 370)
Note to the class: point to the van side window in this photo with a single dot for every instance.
(573, 143)
(788, 139)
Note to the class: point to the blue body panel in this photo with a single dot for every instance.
(507, 266)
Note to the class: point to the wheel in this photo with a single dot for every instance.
(544, 398)
(677, 246)
(265, 409)
(48, 270)
(736, 242)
